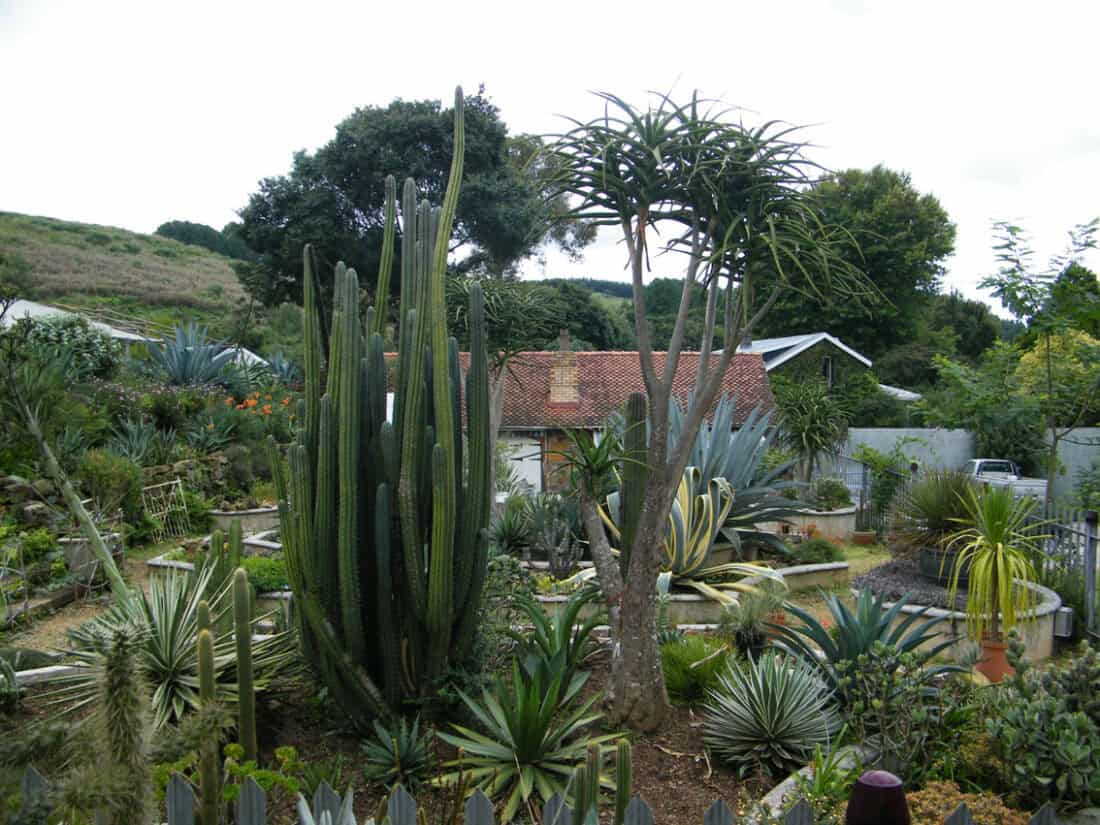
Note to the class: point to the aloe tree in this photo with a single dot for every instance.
(732, 201)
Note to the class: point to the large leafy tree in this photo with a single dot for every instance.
(903, 239)
(1046, 299)
(733, 201)
(333, 198)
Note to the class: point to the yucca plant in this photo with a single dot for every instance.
(398, 753)
(769, 713)
(188, 358)
(531, 743)
(557, 646)
(999, 539)
(168, 616)
(855, 634)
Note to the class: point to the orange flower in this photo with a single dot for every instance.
(268, 396)
(267, 409)
(241, 406)
(286, 401)
(252, 402)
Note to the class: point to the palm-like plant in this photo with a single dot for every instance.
(999, 540)
(855, 634)
(930, 510)
(168, 657)
(811, 421)
(532, 741)
(769, 713)
(188, 358)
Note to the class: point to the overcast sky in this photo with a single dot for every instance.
(133, 113)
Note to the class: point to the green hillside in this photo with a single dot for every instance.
(116, 271)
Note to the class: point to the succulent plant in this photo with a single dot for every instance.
(769, 713)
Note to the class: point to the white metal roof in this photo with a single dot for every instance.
(30, 309)
(777, 351)
(899, 393)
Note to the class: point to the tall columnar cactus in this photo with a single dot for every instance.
(635, 472)
(624, 777)
(383, 518)
(246, 691)
(209, 770)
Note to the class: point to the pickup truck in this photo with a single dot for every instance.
(997, 472)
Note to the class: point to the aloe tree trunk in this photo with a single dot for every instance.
(83, 519)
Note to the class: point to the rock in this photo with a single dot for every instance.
(45, 488)
(1086, 816)
(35, 514)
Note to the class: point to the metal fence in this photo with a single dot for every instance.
(1071, 555)
(327, 806)
(875, 492)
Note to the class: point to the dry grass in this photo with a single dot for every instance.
(73, 258)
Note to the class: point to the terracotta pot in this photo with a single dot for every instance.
(863, 537)
(994, 664)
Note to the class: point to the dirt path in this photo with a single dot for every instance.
(48, 632)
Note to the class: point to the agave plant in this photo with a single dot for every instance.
(282, 369)
(133, 439)
(169, 613)
(531, 744)
(769, 713)
(188, 358)
(698, 513)
(558, 646)
(398, 754)
(719, 451)
(855, 634)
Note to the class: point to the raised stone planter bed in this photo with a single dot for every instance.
(1036, 628)
(693, 610)
(838, 525)
(252, 521)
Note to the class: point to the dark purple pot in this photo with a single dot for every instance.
(877, 799)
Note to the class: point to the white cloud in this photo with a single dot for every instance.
(132, 113)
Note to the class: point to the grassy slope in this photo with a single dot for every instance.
(142, 276)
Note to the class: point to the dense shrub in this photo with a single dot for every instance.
(933, 804)
(830, 494)
(266, 573)
(114, 483)
(691, 667)
(816, 550)
(94, 354)
(1086, 489)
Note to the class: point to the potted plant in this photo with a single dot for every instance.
(745, 624)
(928, 514)
(998, 541)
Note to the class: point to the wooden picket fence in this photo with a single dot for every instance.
(329, 808)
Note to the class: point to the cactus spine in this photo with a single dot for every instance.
(384, 537)
(635, 472)
(246, 692)
(209, 772)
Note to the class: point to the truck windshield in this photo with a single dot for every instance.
(995, 467)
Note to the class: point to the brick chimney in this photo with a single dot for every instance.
(564, 390)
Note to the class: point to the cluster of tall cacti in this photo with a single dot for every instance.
(385, 508)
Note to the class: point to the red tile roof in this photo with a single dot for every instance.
(606, 379)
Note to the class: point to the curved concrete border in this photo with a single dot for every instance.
(256, 520)
(772, 802)
(695, 610)
(1036, 626)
